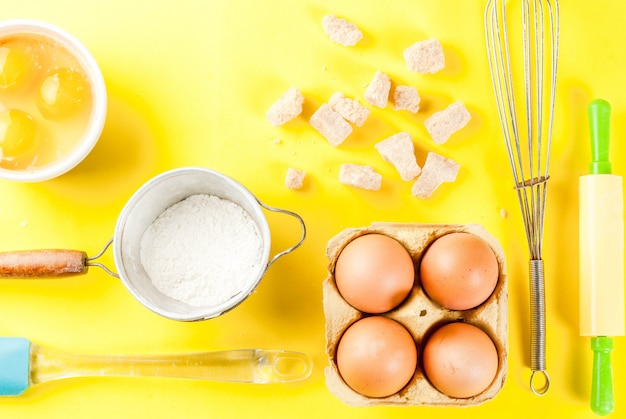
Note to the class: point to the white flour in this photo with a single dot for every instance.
(202, 250)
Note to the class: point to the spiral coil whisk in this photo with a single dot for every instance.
(522, 39)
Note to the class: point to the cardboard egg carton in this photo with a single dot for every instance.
(418, 314)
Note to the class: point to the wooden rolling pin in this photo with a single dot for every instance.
(601, 258)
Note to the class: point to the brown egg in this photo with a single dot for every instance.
(376, 356)
(460, 360)
(374, 273)
(459, 271)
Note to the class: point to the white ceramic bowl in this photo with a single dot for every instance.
(95, 125)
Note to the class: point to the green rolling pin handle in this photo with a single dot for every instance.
(600, 125)
(602, 381)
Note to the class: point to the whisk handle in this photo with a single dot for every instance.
(538, 328)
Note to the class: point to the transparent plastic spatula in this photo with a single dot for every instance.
(24, 364)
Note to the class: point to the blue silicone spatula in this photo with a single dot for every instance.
(24, 364)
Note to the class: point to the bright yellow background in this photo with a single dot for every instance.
(189, 83)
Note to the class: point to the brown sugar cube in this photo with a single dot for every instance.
(425, 57)
(377, 92)
(341, 31)
(400, 151)
(331, 125)
(441, 125)
(436, 170)
(349, 109)
(363, 177)
(406, 98)
(286, 108)
(294, 178)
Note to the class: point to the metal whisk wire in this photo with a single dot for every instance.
(527, 123)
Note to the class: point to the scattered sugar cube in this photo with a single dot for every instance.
(341, 31)
(441, 125)
(294, 178)
(349, 109)
(286, 108)
(436, 170)
(400, 151)
(425, 57)
(364, 177)
(377, 92)
(406, 98)
(331, 125)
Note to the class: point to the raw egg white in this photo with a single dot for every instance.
(374, 273)
(459, 271)
(460, 360)
(376, 356)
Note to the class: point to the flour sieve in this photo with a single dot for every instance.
(148, 202)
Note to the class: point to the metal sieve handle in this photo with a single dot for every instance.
(44, 263)
(49, 263)
(295, 246)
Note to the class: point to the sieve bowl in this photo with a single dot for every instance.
(150, 201)
(139, 212)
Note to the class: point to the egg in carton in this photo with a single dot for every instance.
(418, 314)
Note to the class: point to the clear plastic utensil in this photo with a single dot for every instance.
(24, 364)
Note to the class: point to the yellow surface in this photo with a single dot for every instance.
(189, 83)
(601, 256)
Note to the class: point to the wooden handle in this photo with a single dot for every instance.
(42, 263)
